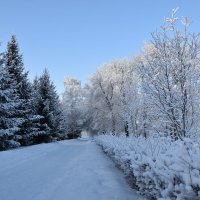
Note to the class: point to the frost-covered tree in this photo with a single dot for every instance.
(158, 91)
(114, 97)
(127, 98)
(102, 100)
(170, 72)
(73, 105)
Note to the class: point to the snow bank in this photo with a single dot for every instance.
(157, 167)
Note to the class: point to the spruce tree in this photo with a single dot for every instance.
(14, 65)
(48, 106)
(9, 109)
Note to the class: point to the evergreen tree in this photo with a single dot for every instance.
(48, 106)
(9, 104)
(14, 65)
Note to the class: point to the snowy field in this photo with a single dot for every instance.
(67, 170)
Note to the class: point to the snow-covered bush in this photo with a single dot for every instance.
(157, 166)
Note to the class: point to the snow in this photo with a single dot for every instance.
(72, 170)
(158, 165)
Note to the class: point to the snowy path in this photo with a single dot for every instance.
(67, 170)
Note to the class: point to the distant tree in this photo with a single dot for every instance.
(102, 100)
(127, 98)
(114, 98)
(72, 104)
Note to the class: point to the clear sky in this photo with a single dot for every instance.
(74, 37)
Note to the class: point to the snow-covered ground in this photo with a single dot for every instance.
(67, 170)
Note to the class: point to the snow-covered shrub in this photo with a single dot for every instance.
(157, 166)
(12, 144)
(8, 144)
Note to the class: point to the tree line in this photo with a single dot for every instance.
(157, 91)
(30, 112)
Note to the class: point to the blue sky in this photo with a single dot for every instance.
(74, 37)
